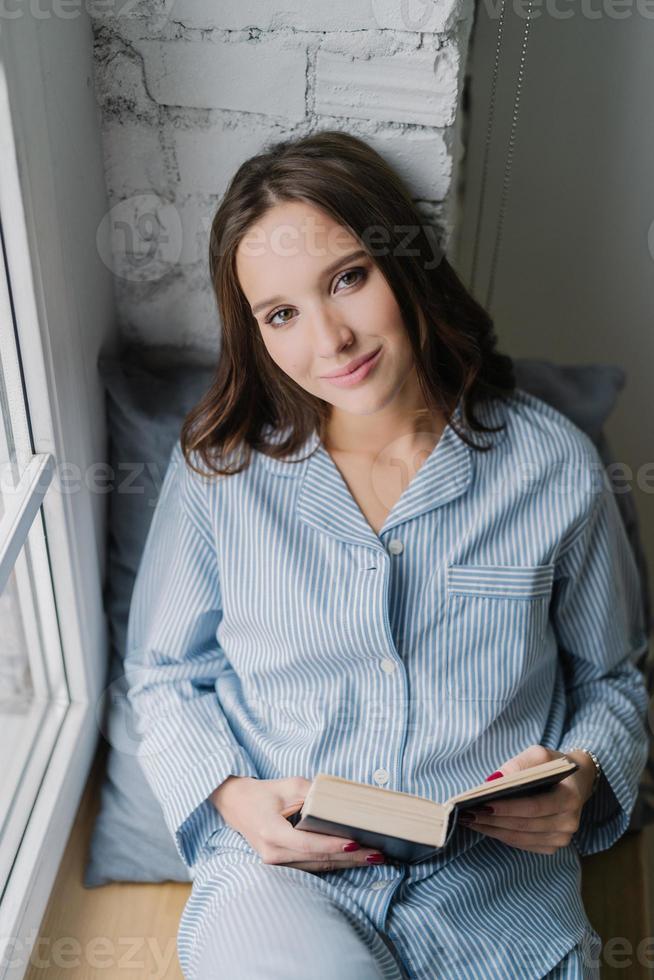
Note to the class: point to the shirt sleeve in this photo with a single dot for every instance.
(598, 620)
(172, 660)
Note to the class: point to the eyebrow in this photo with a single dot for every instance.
(325, 272)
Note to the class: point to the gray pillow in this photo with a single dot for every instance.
(148, 394)
(145, 407)
(586, 394)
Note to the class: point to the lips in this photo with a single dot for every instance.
(352, 366)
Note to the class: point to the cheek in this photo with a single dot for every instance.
(388, 319)
(288, 358)
(385, 299)
(396, 324)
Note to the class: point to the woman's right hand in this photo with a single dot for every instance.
(258, 809)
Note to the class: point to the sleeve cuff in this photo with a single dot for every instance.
(606, 814)
(190, 816)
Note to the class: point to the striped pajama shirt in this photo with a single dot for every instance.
(273, 633)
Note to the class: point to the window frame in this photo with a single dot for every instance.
(46, 255)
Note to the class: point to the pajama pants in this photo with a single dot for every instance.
(276, 929)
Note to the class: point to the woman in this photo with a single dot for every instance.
(411, 574)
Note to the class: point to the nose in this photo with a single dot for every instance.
(331, 333)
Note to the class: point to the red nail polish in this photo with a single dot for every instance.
(494, 775)
(352, 846)
(375, 859)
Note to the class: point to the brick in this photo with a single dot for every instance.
(207, 159)
(242, 76)
(422, 159)
(145, 235)
(421, 88)
(118, 80)
(196, 217)
(175, 312)
(133, 159)
(430, 16)
(338, 15)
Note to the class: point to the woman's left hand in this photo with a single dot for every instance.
(545, 821)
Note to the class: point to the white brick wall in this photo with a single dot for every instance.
(236, 75)
(304, 15)
(188, 89)
(391, 89)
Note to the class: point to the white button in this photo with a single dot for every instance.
(376, 885)
(395, 546)
(380, 776)
(388, 665)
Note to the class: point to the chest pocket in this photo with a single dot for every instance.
(495, 625)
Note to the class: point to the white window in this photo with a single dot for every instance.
(56, 312)
(33, 690)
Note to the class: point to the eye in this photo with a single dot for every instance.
(349, 273)
(359, 271)
(276, 313)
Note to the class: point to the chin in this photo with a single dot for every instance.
(367, 406)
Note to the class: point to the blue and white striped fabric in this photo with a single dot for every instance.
(273, 633)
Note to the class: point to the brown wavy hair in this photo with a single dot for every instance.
(452, 336)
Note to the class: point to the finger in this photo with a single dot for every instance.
(287, 837)
(338, 853)
(314, 866)
(521, 839)
(562, 820)
(288, 842)
(533, 755)
(292, 808)
(336, 860)
(557, 800)
(328, 863)
(532, 825)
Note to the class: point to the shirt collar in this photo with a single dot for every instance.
(324, 500)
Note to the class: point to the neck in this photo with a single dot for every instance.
(383, 434)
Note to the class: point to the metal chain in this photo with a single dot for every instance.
(489, 133)
(509, 158)
(508, 165)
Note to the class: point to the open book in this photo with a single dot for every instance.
(403, 826)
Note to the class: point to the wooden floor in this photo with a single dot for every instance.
(128, 931)
(115, 932)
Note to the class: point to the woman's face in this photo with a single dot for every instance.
(319, 307)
